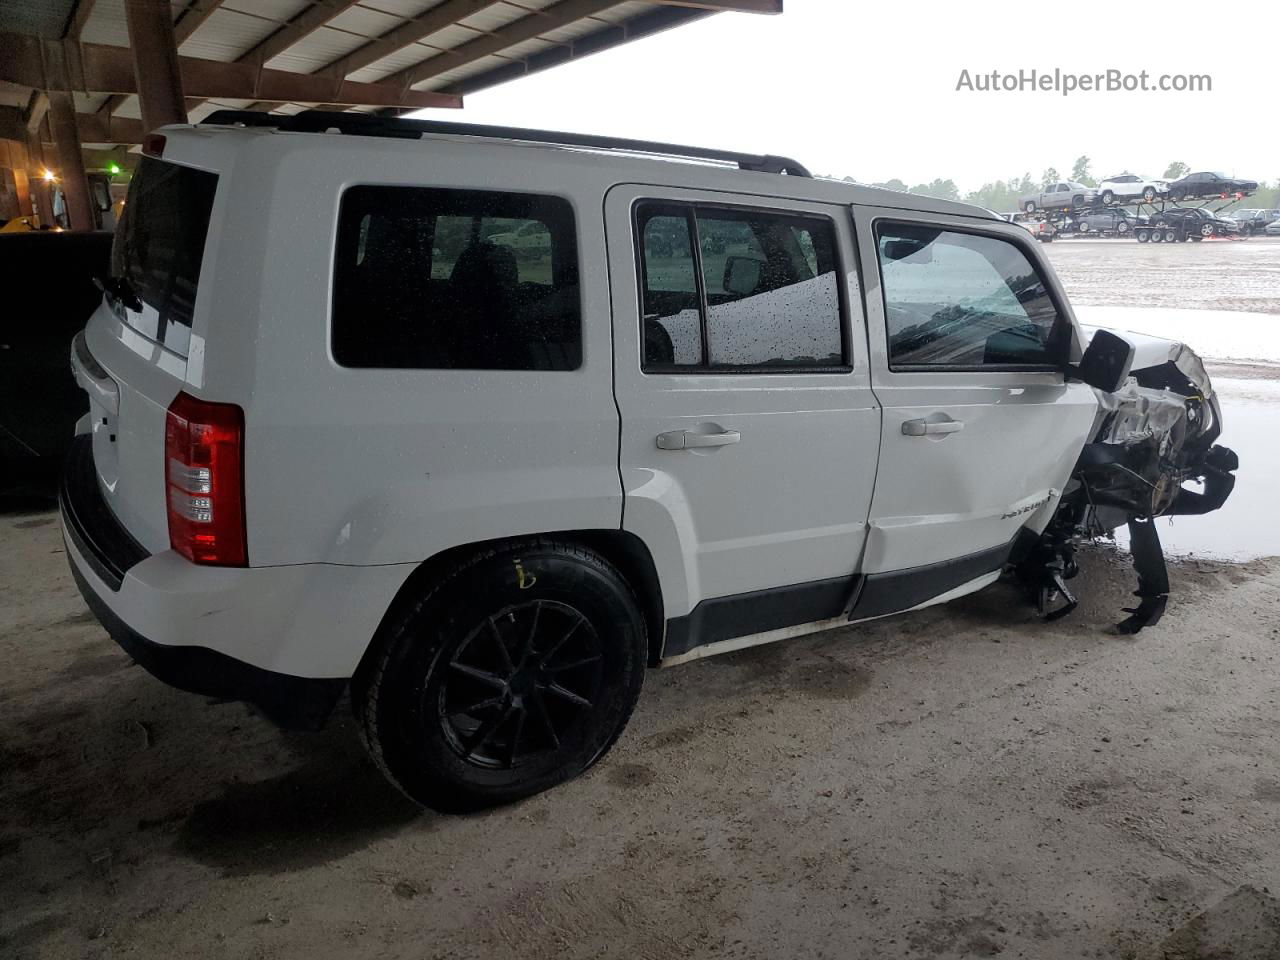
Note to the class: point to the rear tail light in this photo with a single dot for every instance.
(153, 145)
(204, 470)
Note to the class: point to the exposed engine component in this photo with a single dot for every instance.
(1152, 436)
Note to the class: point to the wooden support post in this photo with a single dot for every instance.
(75, 185)
(155, 63)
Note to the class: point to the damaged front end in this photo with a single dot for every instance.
(1152, 436)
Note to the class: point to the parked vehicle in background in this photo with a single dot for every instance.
(1066, 195)
(1131, 186)
(1272, 229)
(1038, 227)
(1210, 184)
(527, 479)
(48, 282)
(19, 225)
(1196, 223)
(1112, 220)
(1255, 221)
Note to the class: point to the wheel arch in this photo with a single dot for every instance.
(625, 551)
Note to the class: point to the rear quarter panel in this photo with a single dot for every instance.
(362, 466)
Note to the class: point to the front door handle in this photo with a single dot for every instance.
(687, 439)
(926, 428)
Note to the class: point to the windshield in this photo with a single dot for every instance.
(159, 246)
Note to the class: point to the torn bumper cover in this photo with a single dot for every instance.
(1150, 438)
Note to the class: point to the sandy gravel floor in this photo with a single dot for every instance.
(963, 781)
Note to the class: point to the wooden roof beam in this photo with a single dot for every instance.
(62, 65)
(726, 6)
(526, 28)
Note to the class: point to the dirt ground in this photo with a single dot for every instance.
(962, 781)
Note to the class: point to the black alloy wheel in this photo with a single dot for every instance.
(505, 675)
(518, 684)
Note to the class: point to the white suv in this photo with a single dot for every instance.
(482, 423)
(1131, 186)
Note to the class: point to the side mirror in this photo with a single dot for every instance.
(742, 275)
(1105, 365)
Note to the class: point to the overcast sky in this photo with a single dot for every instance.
(868, 89)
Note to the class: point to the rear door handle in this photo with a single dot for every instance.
(925, 428)
(686, 439)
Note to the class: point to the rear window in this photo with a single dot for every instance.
(159, 245)
(456, 279)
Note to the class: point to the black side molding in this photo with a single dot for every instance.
(885, 593)
(740, 615)
(857, 597)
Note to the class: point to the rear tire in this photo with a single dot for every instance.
(512, 674)
(1144, 236)
(1107, 198)
(1170, 236)
(1149, 194)
(1157, 236)
(1029, 207)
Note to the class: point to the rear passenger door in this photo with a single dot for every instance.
(749, 432)
(980, 429)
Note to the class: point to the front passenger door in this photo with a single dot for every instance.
(980, 430)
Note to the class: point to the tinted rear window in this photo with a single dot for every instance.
(159, 245)
(456, 279)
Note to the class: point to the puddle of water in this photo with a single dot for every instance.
(1215, 334)
(1248, 524)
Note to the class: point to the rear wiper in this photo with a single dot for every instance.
(120, 290)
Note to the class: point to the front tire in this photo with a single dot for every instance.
(1149, 194)
(1107, 198)
(514, 673)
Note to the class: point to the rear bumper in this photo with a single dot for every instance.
(285, 639)
(294, 703)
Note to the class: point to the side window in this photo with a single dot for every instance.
(456, 279)
(670, 303)
(962, 300)
(734, 289)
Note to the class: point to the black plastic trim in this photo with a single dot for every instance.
(885, 593)
(370, 125)
(744, 614)
(103, 542)
(294, 703)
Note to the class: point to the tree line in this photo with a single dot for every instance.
(1002, 195)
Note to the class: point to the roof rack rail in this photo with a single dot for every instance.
(369, 125)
